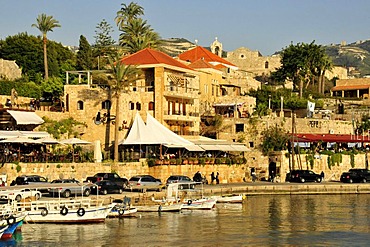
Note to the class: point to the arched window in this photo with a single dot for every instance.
(266, 65)
(151, 106)
(80, 105)
(106, 105)
(131, 105)
(138, 106)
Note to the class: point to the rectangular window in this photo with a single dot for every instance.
(239, 128)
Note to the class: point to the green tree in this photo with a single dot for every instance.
(53, 86)
(127, 13)
(136, 33)
(274, 139)
(119, 78)
(45, 24)
(84, 55)
(59, 128)
(104, 42)
(27, 51)
(303, 64)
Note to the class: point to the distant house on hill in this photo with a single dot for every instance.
(9, 70)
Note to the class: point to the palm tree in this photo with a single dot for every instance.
(128, 13)
(119, 79)
(136, 33)
(45, 24)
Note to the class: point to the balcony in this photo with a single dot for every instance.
(180, 116)
(181, 92)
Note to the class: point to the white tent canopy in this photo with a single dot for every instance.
(153, 132)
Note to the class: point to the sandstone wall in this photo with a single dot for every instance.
(228, 173)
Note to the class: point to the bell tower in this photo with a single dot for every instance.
(216, 47)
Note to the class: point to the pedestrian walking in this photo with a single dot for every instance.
(217, 178)
(213, 178)
(322, 174)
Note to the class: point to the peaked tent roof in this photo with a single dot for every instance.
(162, 133)
(151, 57)
(138, 133)
(201, 52)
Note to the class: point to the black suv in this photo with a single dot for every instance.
(303, 176)
(30, 179)
(355, 176)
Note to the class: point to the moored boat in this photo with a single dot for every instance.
(11, 224)
(230, 199)
(65, 211)
(122, 212)
(2, 230)
(199, 204)
(175, 207)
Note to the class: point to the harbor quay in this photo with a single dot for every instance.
(250, 189)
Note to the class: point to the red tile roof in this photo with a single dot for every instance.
(201, 64)
(200, 52)
(152, 57)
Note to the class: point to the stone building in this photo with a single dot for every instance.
(9, 70)
(169, 91)
(253, 61)
(222, 84)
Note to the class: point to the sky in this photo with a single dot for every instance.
(264, 25)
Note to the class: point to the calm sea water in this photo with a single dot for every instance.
(298, 220)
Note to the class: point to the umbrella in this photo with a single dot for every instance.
(73, 142)
(47, 140)
(97, 151)
(19, 139)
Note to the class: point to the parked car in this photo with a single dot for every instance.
(303, 176)
(62, 181)
(178, 179)
(68, 187)
(30, 179)
(106, 187)
(18, 195)
(355, 176)
(145, 182)
(111, 176)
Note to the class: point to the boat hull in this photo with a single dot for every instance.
(131, 212)
(200, 204)
(160, 208)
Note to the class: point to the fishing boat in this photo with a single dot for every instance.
(174, 207)
(2, 230)
(11, 223)
(230, 198)
(199, 204)
(65, 211)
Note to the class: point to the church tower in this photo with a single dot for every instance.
(216, 47)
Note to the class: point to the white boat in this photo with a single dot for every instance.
(199, 204)
(65, 211)
(2, 230)
(230, 199)
(175, 207)
(122, 212)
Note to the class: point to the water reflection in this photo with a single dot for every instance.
(308, 220)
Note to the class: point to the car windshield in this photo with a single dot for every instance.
(134, 179)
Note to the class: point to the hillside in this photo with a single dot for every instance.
(175, 46)
(355, 55)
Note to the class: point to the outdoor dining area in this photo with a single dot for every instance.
(30, 147)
